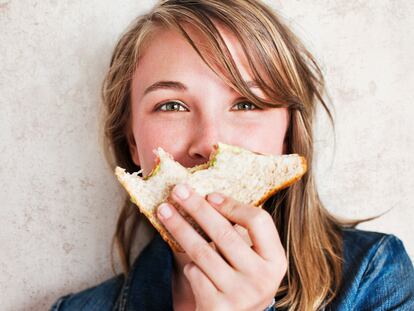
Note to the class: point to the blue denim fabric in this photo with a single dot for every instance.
(377, 275)
(97, 298)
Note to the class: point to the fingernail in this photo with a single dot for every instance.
(215, 198)
(182, 191)
(164, 210)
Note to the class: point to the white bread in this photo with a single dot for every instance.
(246, 176)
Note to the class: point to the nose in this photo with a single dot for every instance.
(206, 133)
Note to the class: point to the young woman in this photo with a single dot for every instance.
(192, 73)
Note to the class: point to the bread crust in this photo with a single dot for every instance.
(283, 186)
(174, 244)
(152, 217)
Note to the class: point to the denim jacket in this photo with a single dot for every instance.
(377, 275)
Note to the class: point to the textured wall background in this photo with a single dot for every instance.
(58, 199)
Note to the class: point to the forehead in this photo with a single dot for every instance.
(230, 40)
(169, 52)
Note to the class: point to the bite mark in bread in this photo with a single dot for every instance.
(247, 176)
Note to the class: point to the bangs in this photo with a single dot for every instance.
(257, 46)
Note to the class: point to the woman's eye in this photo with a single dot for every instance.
(176, 106)
(245, 105)
(171, 106)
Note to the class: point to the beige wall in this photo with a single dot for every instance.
(58, 199)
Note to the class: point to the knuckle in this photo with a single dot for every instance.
(201, 252)
(193, 205)
(173, 226)
(229, 208)
(261, 218)
(226, 235)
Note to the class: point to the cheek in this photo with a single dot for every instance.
(151, 135)
(268, 140)
(267, 136)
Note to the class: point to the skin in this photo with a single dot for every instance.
(227, 274)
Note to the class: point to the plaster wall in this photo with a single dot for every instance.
(59, 201)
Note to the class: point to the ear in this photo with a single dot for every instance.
(133, 149)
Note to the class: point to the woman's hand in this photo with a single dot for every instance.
(249, 277)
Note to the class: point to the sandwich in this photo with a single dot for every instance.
(246, 176)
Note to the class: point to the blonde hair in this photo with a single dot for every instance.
(290, 76)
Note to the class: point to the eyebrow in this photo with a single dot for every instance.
(175, 85)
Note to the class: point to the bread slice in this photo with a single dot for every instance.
(248, 177)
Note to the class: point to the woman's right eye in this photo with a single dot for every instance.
(170, 106)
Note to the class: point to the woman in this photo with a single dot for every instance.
(187, 75)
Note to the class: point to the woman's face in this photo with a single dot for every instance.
(181, 105)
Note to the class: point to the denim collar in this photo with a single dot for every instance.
(148, 285)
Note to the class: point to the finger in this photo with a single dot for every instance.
(200, 284)
(244, 234)
(197, 248)
(229, 243)
(259, 224)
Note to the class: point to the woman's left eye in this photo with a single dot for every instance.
(244, 105)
